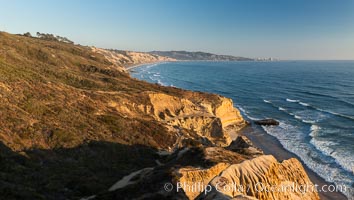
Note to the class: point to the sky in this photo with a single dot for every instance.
(284, 29)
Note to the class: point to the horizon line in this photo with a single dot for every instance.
(201, 51)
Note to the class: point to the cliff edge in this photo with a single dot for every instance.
(74, 124)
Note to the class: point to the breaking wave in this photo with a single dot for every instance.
(315, 157)
(292, 101)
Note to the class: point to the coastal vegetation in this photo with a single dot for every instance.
(73, 123)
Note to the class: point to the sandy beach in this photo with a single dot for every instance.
(130, 67)
(270, 145)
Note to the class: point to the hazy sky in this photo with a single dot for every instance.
(285, 29)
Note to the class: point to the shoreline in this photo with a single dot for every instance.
(130, 67)
(271, 146)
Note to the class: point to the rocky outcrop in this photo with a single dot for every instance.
(265, 178)
(262, 178)
(228, 114)
(208, 119)
(244, 146)
(267, 122)
(191, 176)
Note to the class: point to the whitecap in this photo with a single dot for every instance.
(342, 158)
(293, 139)
(152, 78)
(308, 121)
(292, 101)
(252, 118)
(297, 117)
(243, 111)
(309, 116)
(240, 108)
(160, 82)
(267, 101)
(282, 109)
(304, 104)
(314, 130)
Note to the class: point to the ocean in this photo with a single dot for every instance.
(312, 100)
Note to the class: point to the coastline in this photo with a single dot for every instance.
(271, 146)
(130, 67)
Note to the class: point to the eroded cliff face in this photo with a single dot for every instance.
(190, 176)
(73, 123)
(263, 178)
(208, 119)
(124, 59)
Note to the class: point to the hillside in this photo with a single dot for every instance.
(185, 55)
(130, 58)
(74, 124)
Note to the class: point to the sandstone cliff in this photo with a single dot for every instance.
(125, 59)
(73, 124)
(263, 178)
(206, 118)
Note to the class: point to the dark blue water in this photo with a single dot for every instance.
(313, 100)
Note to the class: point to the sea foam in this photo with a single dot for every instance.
(293, 140)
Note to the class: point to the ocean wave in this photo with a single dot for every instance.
(298, 101)
(241, 108)
(304, 104)
(335, 113)
(314, 130)
(321, 110)
(253, 118)
(302, 115)
(344, 158)
(310, 116)
(151, 65)
(152, 78)
(245, 113)
(308, 121)
(293, 139)
(303, 119)
(281, 108)
(160, 82)
(267, 101)
(292, 100)
(297, 117)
